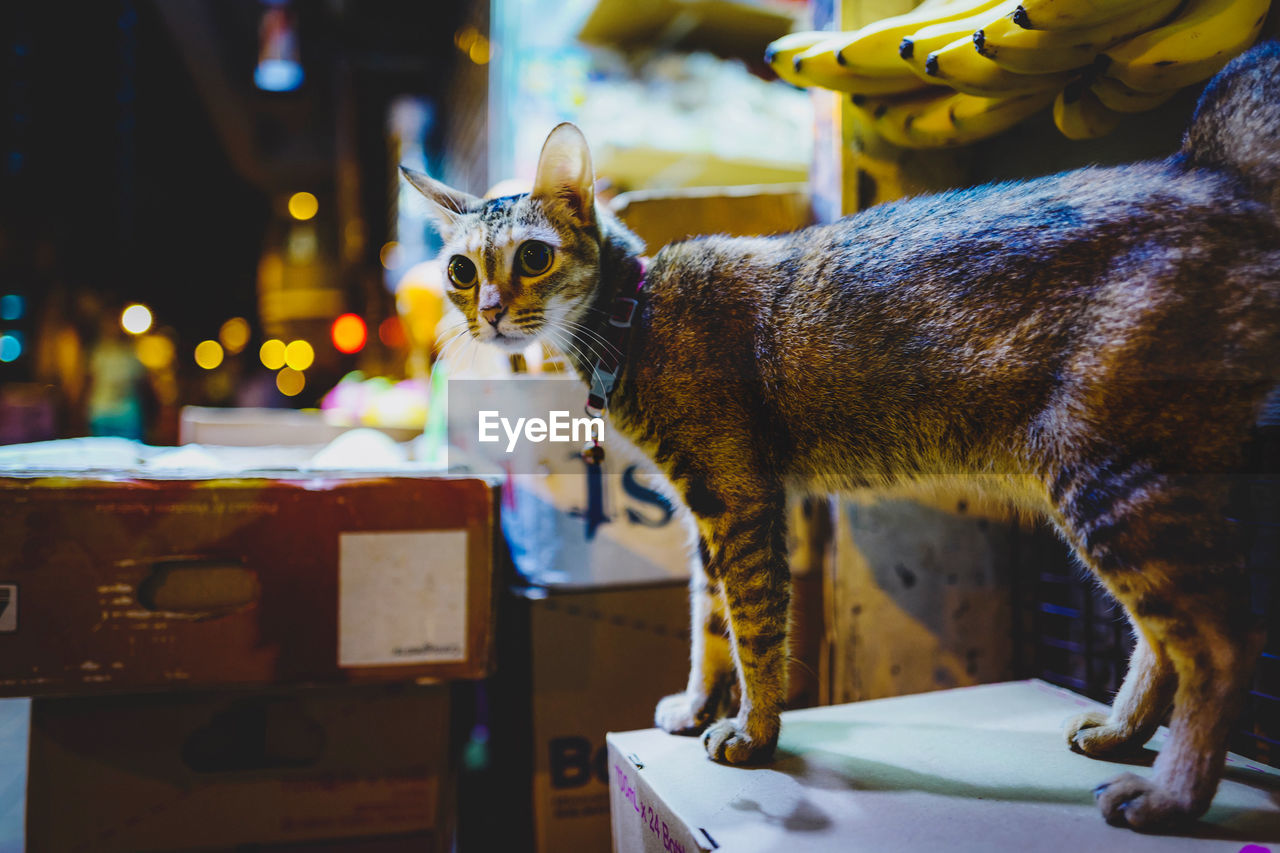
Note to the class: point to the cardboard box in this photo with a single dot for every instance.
(114, 581)
(212, 771)
(573, 666)
(979, 768)
(660, 217)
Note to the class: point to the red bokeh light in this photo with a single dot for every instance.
(349, 334)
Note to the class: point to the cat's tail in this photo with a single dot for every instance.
(1236, 126)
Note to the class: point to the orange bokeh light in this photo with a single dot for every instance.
(349, 334)
(391, 332)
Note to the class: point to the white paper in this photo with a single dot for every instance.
(402, 597)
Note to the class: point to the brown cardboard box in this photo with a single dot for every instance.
(660, 217)
(115, 582)
(970, 769)
(211, 771)
(601, 661)
(574, 665)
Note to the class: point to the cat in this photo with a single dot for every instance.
(1094, 346)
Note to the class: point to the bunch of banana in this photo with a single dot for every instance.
(781, 53)
(1027, 51)
(1071, 14)
(948, 119)
(1118, 97)
(1193, 46)
(954, 71)
(962, 68)
(1080, 114)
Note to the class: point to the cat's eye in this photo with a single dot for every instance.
(535, 257)
(462, 272)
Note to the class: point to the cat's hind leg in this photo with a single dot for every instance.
(1137, 710)
(1169, 553)
(1212, 650)
(711, 670)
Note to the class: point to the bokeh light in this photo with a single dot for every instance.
(234, 334)
(349, 333)
(278, 75)
(136, 319)
(479, 51)
(272, 354)
(303, 206)
(12, 307)
(10, 346)
(290, 382)
(208, 354)
(389, 255)
(299, 355)
(154, 351)
(465, 37)
(391, 332)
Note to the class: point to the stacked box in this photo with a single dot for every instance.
(118, 582)
(218, 770)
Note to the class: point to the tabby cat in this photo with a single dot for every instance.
(1094, 346)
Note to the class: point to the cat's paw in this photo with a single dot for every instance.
(728, 741)
(683, 714)
(1090, 733)
(1132, 801)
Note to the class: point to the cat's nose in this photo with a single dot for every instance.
(494, 315)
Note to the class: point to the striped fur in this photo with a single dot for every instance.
(1094, 346)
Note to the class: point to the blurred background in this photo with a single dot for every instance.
(204, 238)
(199, 202)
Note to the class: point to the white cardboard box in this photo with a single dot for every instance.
(978, 768)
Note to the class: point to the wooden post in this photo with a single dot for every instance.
(916, 596)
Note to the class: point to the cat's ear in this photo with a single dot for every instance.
(445, 204)
(565, 180)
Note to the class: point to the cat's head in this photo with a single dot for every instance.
(523, 268)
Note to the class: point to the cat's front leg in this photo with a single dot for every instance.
(747, 549)
(711, 666)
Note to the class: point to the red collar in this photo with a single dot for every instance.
(604, 371)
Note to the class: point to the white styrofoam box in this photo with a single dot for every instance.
(970, 769)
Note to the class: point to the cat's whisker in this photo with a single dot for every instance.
(583, 344)
(576, 345)
(565, 343)
(441, 348)
(451, 348)
(570, 326)
(562, 344)
(594, 334)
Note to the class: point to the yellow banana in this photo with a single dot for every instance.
(872, 51)
(960, 66)
(944, 121)
(1194, 46)
(781, 53)
(915, 48)
(818, 66)
(1119, 97)
(1043, 51)
(1070, 14)
(1080, 115)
